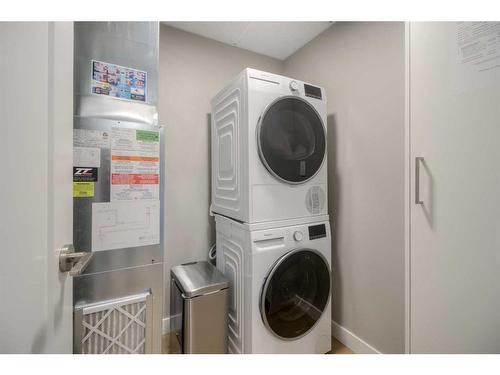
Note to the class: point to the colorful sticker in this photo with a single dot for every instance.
(118, 81)
(83, 189)
(147, 135)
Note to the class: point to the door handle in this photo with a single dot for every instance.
(418, 161)
(73, 262)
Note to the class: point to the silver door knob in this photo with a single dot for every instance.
(73, 262)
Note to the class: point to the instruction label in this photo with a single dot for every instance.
(135, 164)
(477, 52)
(118, 81)
(87, 156)
(117, 225)
(83, 189)
(479, 44)
(90, 138)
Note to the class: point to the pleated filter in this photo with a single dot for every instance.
(118, 326)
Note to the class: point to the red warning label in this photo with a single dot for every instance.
(135, 179)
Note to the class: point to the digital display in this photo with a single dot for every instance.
(312, 91)
(317, 231)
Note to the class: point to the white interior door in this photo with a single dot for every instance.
(455, 231)
(36, 99)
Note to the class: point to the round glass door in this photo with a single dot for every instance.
(291, 139)
(295, 293)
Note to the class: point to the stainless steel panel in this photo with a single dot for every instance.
(130, 44)
(205, 324)
(104, 286)
(82, 207)
(117, 273)
(95, 107)
(110, 260)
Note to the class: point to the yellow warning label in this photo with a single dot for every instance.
(83, 189)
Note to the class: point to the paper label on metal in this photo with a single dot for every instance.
(123, 224)
(118, 81)
(135, 164)
(90, 138)
(87, 156)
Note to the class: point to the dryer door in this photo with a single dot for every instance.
(295, 293)
(291, 139)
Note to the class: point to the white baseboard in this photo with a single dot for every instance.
(346, 337)
(353, 342)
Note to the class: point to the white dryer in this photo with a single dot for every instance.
(280, 284)
(269, 149)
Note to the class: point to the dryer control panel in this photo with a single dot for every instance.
(317, 231)
(312, 91)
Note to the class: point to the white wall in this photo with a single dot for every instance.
(36, 203)
(192, 70)
(361, 66)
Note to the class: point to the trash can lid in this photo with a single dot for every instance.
(198, 278)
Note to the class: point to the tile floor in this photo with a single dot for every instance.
(337, 346)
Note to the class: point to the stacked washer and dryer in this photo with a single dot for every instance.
(269, 198)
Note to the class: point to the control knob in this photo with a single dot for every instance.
(294, 86)
(298, 236)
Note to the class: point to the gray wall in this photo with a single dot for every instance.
(192, 70)
(361, 66)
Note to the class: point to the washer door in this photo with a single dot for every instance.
(291, 139)
(295, 293)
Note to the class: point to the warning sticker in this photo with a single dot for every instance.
(84, 174)
(83, 189)
(135, 179)
(135, 164)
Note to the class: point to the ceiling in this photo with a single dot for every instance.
(274, 39)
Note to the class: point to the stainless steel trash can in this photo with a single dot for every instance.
(198, 309)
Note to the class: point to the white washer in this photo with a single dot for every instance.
(269, 149)
(280, 284)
